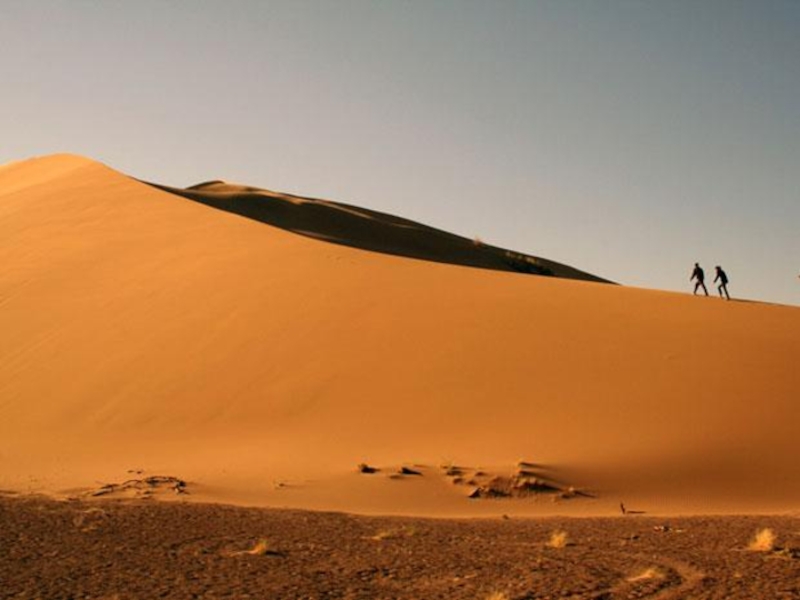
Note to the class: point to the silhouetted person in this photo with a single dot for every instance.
(700, 276)
(722, 277)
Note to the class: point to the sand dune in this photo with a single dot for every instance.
(142, 331)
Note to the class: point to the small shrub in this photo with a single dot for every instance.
(763, 541)
(260, 549)
(651, 573)
(389, 534)
(558, 539)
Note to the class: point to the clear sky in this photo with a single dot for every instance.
(625, 138)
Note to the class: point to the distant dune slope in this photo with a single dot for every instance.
(367, 229)
(143, 331)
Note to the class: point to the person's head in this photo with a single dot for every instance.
(696, 264)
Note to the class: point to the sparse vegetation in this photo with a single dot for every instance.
(231, 551)
(390, 534)
(261, 548)
(763, 541)
(651, 573)
(558, 539)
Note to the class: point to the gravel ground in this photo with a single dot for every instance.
(124, 550)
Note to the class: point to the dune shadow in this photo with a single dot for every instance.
(366, 229)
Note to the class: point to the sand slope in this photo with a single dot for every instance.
(144, 331)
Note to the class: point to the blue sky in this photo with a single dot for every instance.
(628, 139)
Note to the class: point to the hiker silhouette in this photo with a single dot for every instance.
(700, 276)
(722, 277)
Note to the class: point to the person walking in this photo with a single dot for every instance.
(722, 277)
(700, 276)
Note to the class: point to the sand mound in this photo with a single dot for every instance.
(145, 332)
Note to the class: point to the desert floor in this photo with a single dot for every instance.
(151, 549)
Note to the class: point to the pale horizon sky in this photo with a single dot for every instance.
(627, 139)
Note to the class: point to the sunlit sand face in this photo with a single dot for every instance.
(145, 334)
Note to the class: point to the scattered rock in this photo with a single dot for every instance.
(523, 464)
(520, 485)
(523, 473)
(365, 468)
(787, 553)
(527, 485)
(572, 492)
(453, 471)
(408, 471)
(143, 487)
(106, 489)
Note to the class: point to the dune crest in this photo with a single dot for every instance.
(368, 229)
(143, 332)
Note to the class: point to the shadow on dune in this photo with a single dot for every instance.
(367, 229)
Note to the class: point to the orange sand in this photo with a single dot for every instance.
(141, 330)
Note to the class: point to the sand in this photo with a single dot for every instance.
(145, 333)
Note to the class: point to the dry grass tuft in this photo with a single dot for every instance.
(261, 548)
(651, 573)
(558, 539)
(763, 541)
(498, 596)
(390, 534)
